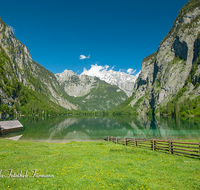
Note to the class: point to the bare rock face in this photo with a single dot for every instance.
(75, 85)
(123, 80)
(143, 85)
(165, 72)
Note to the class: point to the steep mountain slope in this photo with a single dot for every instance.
(169, 79)
(123, 80)
(18, 68)
(89, 92)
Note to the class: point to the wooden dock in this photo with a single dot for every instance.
(8, 126)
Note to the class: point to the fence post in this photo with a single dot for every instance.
(112, 139)
(170, 147)
(125, 141)
(108, 138)
(116, 140)
(135, 142)
(199, 147)
(154, 145)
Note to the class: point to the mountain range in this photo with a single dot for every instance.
(89, 92)
(168, 82)
(29, 88)
(121, 79)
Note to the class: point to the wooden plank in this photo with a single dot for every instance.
(184, 142)
(186, 150)
(160, 140)
(130, 140)
(162, 149)
(162, 146)
(175, 145)
(187, 153)
(143, 139)
(148, 145)
(143, 142)
(164, 143)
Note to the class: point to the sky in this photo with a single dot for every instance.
(80, 34)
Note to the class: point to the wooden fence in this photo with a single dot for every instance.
(171, 147)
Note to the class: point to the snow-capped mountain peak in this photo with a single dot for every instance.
(121, 79)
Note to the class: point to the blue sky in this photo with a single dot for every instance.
(118, 33)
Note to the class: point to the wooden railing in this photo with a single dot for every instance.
(171, 147)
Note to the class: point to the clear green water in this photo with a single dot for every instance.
(65, 129)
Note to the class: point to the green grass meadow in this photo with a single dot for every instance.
(93, 165)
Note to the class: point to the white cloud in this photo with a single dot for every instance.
(13, 30)
(130, 71)
(84, 57)
(99, 71)
(95, 70)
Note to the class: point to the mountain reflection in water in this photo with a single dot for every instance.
(65, 129)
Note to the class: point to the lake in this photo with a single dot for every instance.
(70, 128)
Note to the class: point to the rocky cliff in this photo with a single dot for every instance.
(171, 75)
(75, 85)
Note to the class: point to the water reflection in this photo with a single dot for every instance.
(64, 129)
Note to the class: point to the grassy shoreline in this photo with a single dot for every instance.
(93, 165)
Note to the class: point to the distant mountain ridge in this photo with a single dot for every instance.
(121, 79)
(90, 92)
